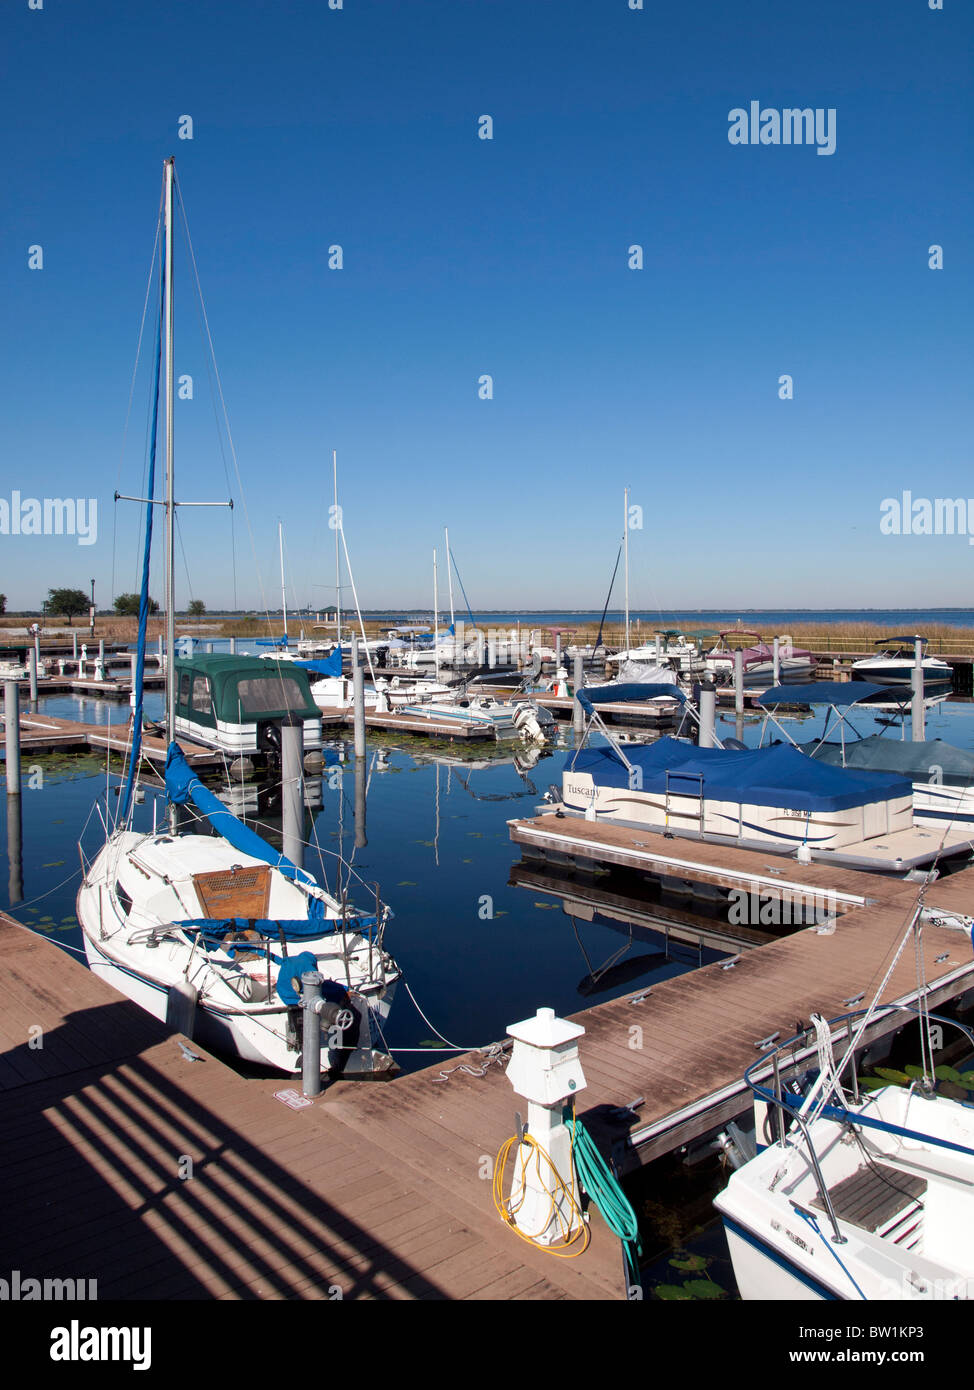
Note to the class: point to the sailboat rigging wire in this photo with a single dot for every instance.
(351, 580)
(223, 404)
(453, 561)
(135, 370)
(144, 602)
(598, 640)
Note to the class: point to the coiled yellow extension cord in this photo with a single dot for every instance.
(572, 1245)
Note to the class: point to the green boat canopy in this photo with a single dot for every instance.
(241, 690)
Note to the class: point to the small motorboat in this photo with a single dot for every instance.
(853, 1195)
(896, 662)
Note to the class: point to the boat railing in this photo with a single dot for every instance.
(787, 1104)
(803, 1049)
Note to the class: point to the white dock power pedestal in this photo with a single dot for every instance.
(546, 1070)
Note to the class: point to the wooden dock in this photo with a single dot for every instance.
(48, 733)
(633, 712)
(697, 1033)
(133, 1157)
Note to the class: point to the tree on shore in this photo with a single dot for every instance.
(127, 605)
(197, 608)
(71, 602)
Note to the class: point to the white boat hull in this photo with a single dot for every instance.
(238, 1010)
(904, 1208)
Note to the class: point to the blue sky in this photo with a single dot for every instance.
(465, 256)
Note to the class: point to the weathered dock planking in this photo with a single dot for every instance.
(697, 1033)
(40, 733)
(381, 1191)
(317, 1203)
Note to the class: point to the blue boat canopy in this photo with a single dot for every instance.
(775, 776)
(829, 693)
(607, 694)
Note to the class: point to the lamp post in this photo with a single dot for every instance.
(91, 611)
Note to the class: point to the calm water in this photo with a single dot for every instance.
(894, 617)
(478, 953)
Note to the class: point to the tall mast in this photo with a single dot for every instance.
(338, 573)
(436, 623)
(170, 501)
(280, 546)
(625, 535)
(449, 575)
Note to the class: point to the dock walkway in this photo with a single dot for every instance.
(684, 1044)
(46, 733)
(376, 1191)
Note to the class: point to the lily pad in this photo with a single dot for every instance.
(405, 883)
(673, 1293)
(689, 1263)
(548, 907)
(947, 1074)
(899, 1078)
(704, 1288)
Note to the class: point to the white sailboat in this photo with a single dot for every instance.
(213, 931)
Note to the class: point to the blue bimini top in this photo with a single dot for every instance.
(775, 776)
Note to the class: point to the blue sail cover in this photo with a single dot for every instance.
(182, 784)
(591, 695)
(775, 776)
(330, 665)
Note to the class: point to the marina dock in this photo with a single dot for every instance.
(698, 1032)
(47, 733)
(134, 1157)
(382, 1190)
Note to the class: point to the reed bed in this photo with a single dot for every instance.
(828, 637)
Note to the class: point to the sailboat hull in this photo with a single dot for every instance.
(132, 944)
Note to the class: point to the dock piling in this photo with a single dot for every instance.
(311, 982)
(32, 660)
(578, 714)
(11, 723)
(776, 662)
(292, 788)
(708, 712)
(358, 699)
(917, 715)
(739, 681)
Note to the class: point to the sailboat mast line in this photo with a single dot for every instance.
(338, 561)
(169, 379)
(223, 408)
(351, 580)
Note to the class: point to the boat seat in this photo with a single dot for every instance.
(870, 1197)
(238, 892)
